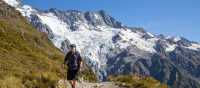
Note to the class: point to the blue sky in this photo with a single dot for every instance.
(168, 17)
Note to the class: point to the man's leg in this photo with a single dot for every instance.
(73, 83)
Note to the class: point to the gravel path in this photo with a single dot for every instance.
(65, 84)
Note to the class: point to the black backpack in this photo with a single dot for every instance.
(73, 61)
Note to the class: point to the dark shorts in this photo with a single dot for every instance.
(72, 74)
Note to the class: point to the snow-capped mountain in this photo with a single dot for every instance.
(111, 48)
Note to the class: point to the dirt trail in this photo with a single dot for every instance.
(65, 84)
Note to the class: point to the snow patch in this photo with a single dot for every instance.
(150, 34)
(26, 10)
(176, 39)
(131, 38)
(194, 46)
(170, 47)
(97, 16)
(13, 3)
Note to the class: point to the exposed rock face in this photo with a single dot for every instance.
(36, 22)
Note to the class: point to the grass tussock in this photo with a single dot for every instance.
(136, 81)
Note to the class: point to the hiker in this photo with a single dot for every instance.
(74, 61)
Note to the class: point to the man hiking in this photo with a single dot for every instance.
(74, 61)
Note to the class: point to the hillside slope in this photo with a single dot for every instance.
(27, 57)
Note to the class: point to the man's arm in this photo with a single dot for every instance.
(80, 60)
(66, 58)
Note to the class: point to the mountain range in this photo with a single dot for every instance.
(112, 48)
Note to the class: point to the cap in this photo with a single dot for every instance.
(72, 45)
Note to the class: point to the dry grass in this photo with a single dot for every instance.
(135, 81)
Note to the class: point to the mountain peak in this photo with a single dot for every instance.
(109, 20)
(102, 11)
